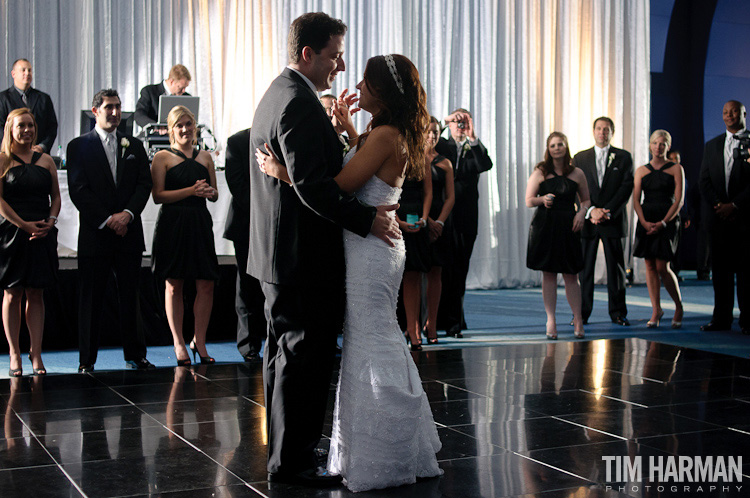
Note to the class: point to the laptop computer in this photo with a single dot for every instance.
(167, 102)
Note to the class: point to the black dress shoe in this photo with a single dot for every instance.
(454, 333)
(314, 478)
(141, 364)
(714, 326)
(621, 320)
(82, 369)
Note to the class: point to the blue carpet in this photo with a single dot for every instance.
(506, 316)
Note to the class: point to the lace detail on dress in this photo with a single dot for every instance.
(383, 431)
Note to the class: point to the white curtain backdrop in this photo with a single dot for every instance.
(524, 68)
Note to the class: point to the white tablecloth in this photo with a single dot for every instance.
(67, 238)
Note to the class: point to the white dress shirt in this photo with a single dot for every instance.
(601, 162)
(730, 143)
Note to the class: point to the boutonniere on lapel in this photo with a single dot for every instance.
(611, 158)
(466, 148)
(124, 143)
(346, 144)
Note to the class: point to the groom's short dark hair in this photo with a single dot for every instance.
(313, 30)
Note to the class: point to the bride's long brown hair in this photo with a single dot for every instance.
(406, 111)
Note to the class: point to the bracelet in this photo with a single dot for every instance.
(663, 223)
(440, 223)
(53, 218)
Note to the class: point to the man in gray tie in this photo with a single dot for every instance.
(21, 94)
(725, 188)
(609, 174)
(109, 182)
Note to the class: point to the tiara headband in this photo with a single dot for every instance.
(392, 67)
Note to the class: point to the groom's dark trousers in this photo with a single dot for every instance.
(296, 252)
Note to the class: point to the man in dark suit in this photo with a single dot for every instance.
(147, 107)
(725, 187)
(609, 174)
(22, 95)
(469, 159)
(296, 247)
(249, 300)
(109, 183)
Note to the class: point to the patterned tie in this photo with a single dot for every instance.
(112, 156)
(729, 162)
(600, 166)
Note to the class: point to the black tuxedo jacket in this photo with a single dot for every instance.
(95, 195)
(613, 194)
(473, 162)
(713, 189)
(41, 107)
(295, 231)
(237, 169)
(147, 107)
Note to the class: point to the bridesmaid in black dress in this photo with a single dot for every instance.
(662, 184)
(554, 236)
(29, 205)
(412, 214)
(183, 246)
(443, 198)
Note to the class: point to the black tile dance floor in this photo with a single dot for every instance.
(515, 421)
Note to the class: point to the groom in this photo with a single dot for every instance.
(296, 246)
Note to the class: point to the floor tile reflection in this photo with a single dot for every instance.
(514, 421)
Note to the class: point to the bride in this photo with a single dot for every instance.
(383, 431)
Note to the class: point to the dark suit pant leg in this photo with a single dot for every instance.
(743, 288)
(298, 361)
(127, 269)
(249, 300)
(586, 277)
(615, 262)
(725, 261)
(451, 311)
(703, 252)
(93, 274)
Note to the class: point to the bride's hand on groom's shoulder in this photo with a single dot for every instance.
(385, 227)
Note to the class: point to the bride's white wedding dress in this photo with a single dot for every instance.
(383, 431)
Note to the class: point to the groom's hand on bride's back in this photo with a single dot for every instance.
(385, 227)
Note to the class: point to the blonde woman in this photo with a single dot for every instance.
(29, 205)
(662, 184)
(184, 178)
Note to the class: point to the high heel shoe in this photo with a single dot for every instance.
(430, 340)
(579, 334)
(551, 334)
(37, 371)
(415, 346)
(676, 324)
(204, 359)
(653, 325)
(182, 363)
(15, 372)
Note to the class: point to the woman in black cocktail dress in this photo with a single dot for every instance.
(438, 224)
(662, 184)
(183, 239)
(554, 236)
(29, 205)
